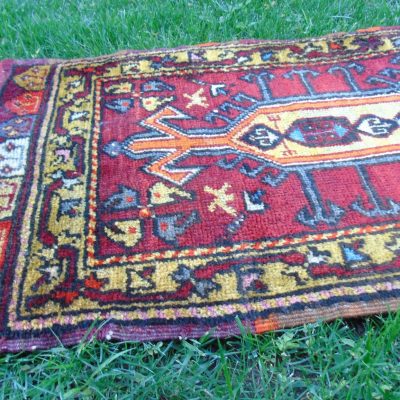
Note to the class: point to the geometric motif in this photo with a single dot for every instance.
(319, 132)
(9, 189)
(170, 192)
(13, 154)
(262, 137)
(375, 126)
(17, 127)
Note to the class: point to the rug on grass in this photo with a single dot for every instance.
(169, 193)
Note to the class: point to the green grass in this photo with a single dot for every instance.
(317, 361)
(60, 28)
(340, 360)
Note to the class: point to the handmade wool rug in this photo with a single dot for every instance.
(169, 193)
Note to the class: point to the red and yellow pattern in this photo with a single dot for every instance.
(172, 191)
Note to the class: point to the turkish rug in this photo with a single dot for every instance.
(171, 193)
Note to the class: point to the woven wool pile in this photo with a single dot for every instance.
(169, 192)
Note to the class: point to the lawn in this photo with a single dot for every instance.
(340, 360)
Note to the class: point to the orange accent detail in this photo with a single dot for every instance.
(68, 297)
(5, 227)
(335, 46)
(26, 103)
(144, 213)
(372, 29)
(206, 44)
(266, 324)
(257, 246)
(92, 282)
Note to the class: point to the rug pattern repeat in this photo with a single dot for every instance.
(169, 192)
